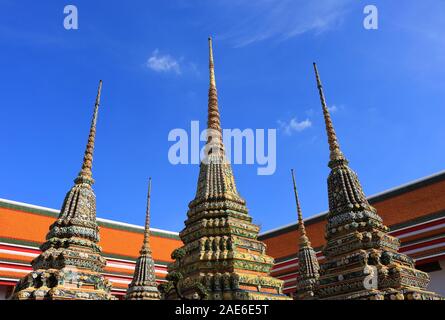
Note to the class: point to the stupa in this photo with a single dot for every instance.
(221, 259)
(361, 258)
(71, 263)
(307, 275)
(144, 286)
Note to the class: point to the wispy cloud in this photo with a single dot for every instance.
(280, 20)
(293, 125)
(426, 33)
(163, 63)
(333, 108)
(318, 112)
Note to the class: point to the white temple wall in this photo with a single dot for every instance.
(4, 290)
(437, 283)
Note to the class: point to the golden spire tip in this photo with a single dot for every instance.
(334, 147)
(146, 243)
(85, 174)
(303, 237)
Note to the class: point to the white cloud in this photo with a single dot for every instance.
(333, 109)
(163, 63)
(294, 125)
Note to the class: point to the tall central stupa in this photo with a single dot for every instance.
(221, 253)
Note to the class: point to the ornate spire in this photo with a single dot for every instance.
(215, 177)
(85, 174)
(307, 260)
(146, 244)
(211, 65)
(303, 237)
(214, 131)
(345, 190)
(336, 155)
(144, 286)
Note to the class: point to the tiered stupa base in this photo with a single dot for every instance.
(63, 284)
(389, 294)
(234, 286)
(149, 292)
(372, 274)
(223, 256)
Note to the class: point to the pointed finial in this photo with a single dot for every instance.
(146, 243)
(211, 64)
(303, 237)
(214, 134)
(334, 146)
(85, 174)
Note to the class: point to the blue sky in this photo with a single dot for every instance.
(385, 87)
